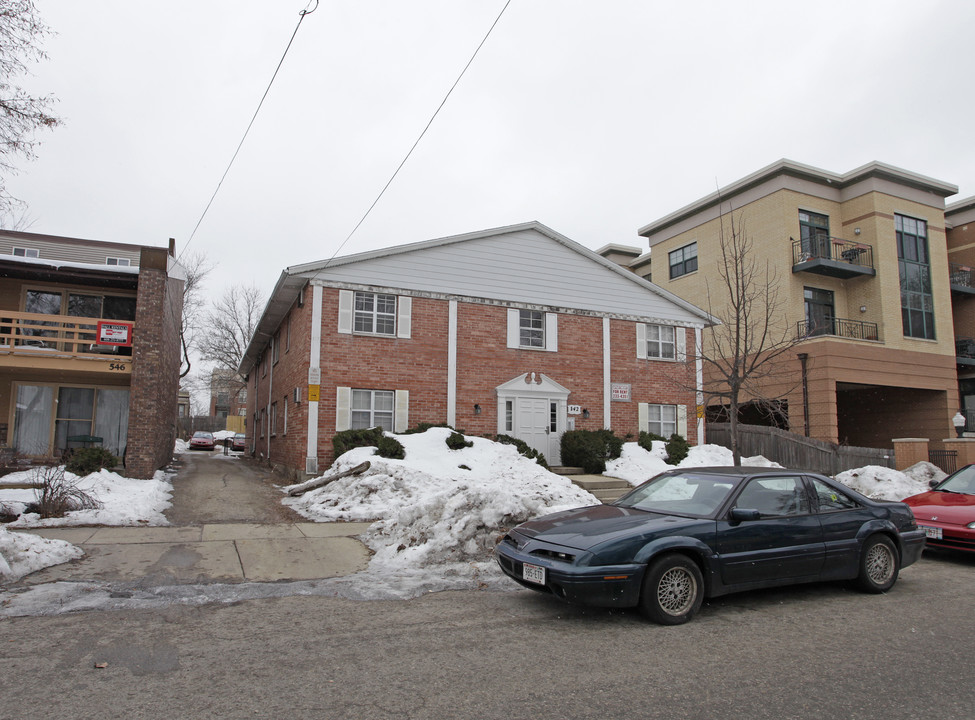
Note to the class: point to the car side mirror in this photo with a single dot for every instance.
(934, 483)
(740, 515)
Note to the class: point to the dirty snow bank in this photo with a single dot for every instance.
(23, 553)
(122, 500)
(880, 483)
(434, 517)
(636, 465)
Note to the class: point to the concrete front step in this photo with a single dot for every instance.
(606, 489)
(566, 470)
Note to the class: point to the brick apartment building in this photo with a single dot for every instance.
(863, 270)
(89, 347)
(517, 330)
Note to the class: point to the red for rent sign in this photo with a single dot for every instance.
(113, 332)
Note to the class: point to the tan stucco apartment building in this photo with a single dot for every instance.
(863, 274)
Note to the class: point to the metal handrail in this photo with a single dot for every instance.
(831, 248)
(838, 327)
(963, 275)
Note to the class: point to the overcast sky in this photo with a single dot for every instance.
(594, 117)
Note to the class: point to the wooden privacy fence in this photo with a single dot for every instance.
(797, 451)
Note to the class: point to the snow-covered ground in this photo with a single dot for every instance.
(438, 512)
(122, 502)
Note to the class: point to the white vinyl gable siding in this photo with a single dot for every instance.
(523, 266)
(94, 254)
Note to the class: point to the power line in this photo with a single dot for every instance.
(424, 132)
(301, 17)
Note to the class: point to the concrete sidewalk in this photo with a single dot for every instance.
(216, 552)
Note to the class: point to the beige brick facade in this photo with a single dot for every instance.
(863, 388)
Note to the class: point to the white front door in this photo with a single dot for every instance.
(532, 407)
(536, 422)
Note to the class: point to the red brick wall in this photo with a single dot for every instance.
(419, 364)
(155, 373)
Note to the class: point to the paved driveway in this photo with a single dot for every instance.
(228, 526)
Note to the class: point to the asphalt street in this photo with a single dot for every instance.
(819, 651)
(308, 649)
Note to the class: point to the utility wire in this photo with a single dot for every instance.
(301, 17)
(424, 132)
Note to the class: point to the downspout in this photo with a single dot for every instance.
(270, 394)
(803, 357)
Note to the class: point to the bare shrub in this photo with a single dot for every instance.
(58, 493)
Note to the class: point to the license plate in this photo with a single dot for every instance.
(533, 573)
(932, 532)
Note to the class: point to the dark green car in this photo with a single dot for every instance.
(693, 533)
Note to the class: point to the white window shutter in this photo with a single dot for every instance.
(552, 332)
(514, 328)
(641, 341)
(643, 416)
(681, 335)
(682, 421)
(343, 408)
(345, 310)
(404, 316)
(401, 421)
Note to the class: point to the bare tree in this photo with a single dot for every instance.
(21, 114)
(742, 356)
(197, 267)
(231, 322)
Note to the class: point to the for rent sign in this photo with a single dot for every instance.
(114, 332)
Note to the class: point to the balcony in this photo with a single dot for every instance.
(50, 341)
(965, 352)
(962, 278)
(832, 257)
(838, 327)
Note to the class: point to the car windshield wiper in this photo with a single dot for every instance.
(953, 492)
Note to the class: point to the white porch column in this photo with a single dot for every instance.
(452, 364)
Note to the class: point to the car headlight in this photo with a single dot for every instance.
(971, 525)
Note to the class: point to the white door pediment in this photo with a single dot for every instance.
(533, 383)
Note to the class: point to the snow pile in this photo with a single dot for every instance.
(880, 483)
(23, 553)
(122, 500)
(636, 465)
(221, 435)
(439, 507)
(181, 447)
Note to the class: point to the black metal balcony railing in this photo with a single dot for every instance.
(831, 248)
(965, 347)
(839, 327)
(962, 275)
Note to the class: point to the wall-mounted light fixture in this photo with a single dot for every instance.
(585, 413)
(856, 231)
(863, 308)
(477, 409)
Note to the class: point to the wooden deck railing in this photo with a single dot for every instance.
(38, 333)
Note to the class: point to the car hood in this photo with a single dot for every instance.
(587, 527)
(952, 508)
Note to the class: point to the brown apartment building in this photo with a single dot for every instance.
(960, 222)
(862, 261)
(89, 348)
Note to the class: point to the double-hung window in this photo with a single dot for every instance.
(372, 408)
(26, 252)
(531, 325)
(917, 298)
(683, 260)
(375, 313)
(120, 262)
(661, 342)
(663, 419)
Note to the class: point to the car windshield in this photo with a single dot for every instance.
(204, 435)
(683, 494)
(962, 481)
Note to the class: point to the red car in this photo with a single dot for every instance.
(946, 512)
(239, 442)
(202, 441)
